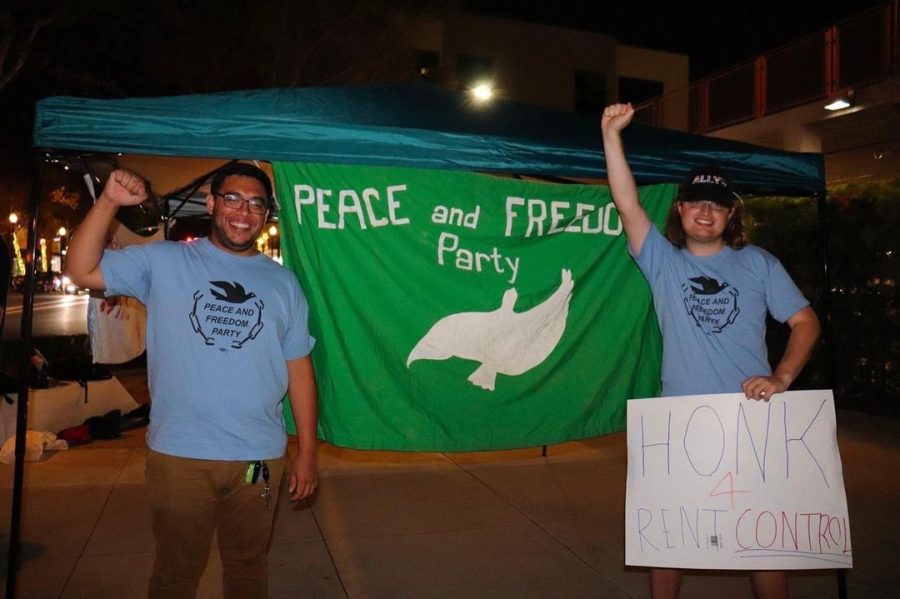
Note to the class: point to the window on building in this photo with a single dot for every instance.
(472, 69)
(427, 63)
(638, 91)
(590, 91)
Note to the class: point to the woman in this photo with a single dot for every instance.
(711, 292)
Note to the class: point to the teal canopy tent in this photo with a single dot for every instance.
(403, 125)
(416, 126)
(422, 129)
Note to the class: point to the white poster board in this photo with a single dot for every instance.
(117, 325)
(723, 482)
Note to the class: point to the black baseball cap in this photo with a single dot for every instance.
(708, 183)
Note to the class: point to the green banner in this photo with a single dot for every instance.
(459, 312)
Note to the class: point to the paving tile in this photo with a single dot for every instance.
(71, 467)
(699, 584)
(702, 584)
(814, 583)
(125, 527)
(408, 502)
(126, 577)
(602, 546)
(547, 492)
(57, 522)
(303, 569)
(518, 561)
(585, 449)
(871, 465)
(884, 432)
(110, 576)
(39, 577)
(884, 589)
(293, 521)
(335, 460)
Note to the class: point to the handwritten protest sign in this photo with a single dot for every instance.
(719, 481)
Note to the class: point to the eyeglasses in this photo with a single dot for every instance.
(700, 204)
(235, 201)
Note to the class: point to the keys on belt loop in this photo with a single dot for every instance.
(254, 470)
(267, 491)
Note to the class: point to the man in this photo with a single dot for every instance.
(704, 254)
(226, 336)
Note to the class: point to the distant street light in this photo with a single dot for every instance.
(273, 244)
(18, 262)
(63, 242)
(483, 92)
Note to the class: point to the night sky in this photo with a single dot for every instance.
(716, 35)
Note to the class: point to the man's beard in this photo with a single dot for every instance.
(219, 233)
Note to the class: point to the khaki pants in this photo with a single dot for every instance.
(192, 498)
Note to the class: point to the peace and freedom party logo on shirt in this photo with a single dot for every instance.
(712, 305)
(224, 315)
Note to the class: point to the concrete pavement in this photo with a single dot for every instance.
(394, 525)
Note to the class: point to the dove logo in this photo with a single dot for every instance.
(226, 316)
(503, 341)
(712, 305)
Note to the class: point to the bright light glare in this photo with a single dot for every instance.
(483, 92)
(838, 104)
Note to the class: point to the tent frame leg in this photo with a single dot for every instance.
(14, 554)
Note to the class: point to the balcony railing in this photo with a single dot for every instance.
(854, 53)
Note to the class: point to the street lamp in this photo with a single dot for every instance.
(18, 262)
(274, 244)
(59, 250)
(482, 92)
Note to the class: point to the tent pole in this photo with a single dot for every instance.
(827, 337)
(13, 555)
(824, 235)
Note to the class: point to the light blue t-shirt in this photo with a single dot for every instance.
(712, 313)
(220, 329)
